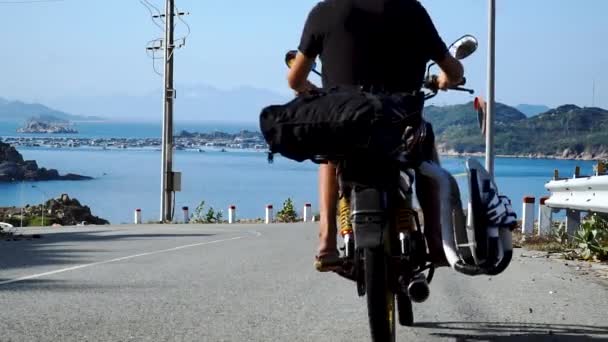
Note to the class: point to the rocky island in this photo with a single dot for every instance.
(14, 168)
(47, 127)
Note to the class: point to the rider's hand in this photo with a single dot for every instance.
(443, 82)
(309, 86)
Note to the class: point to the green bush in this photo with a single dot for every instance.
(288, 213)
(592, 238)
(208, 216)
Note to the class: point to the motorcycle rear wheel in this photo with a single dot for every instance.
(380, 298)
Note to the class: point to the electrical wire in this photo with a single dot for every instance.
(184, 22)
(29, 1)
(158, 12)
(145, 3)
(152, 53)
(151, 48)
(154, 59)
(173, 209)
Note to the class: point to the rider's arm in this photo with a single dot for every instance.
(298, 74)
(311, 44)
(452, 70)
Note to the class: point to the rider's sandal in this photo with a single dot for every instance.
(328, 262)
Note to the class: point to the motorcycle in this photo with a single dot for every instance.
(384, 250)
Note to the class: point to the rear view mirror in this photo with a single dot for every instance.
(464, 47)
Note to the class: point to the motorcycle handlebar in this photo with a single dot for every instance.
(431, 83)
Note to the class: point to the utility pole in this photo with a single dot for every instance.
(170, 180)
(168, 97)
(491, 87)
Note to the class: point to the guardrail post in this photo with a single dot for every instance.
(186, 214)
(600, 168)
(545, 218)
(573, 222)
(307, 212)
(527, 224)
(269, 214)
(231, 214)
(577, 172)
(137, 217)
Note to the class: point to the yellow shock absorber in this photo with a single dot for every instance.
(346, 226)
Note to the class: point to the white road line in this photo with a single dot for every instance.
(40, 275)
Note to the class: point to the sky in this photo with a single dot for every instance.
(548, 51)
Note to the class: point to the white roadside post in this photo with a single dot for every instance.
(307, 212)
(186, 214)
(232, 214)
(137, 217)
(527, 225)
(269, 214)
(545, 218)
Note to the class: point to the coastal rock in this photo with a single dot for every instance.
(9, 169)
(14, 168)
(63, 211)
(9, 154)
(30, 165)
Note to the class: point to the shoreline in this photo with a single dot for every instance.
(582, 157)
(195, 142)
(200, 144)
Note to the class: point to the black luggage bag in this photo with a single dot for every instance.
(340, 122)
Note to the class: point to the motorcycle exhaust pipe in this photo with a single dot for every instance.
(419, 290)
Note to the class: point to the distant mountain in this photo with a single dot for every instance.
(532, 110)
(567, 132)
(193, 103)
(20, 111)
(464, 116)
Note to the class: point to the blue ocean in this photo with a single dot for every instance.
(125, 180)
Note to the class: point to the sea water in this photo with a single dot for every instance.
(125, 180)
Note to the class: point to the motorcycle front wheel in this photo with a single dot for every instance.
(380, 298)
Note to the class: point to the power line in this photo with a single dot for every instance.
(157, 45)
(29, 1)
(151, 8)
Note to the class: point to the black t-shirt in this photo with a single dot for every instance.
(380, 43)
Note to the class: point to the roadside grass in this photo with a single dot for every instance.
(541, 243)
(589, 243)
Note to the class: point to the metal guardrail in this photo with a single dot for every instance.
(583, 194)
(576, 195)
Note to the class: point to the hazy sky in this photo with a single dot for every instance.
(549, 51)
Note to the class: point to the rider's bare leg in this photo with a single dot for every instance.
(429, 200)
(328, 198)
(432, 226)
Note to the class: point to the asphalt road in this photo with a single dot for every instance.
(257, 283)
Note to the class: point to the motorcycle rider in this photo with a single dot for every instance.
(380, 44)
